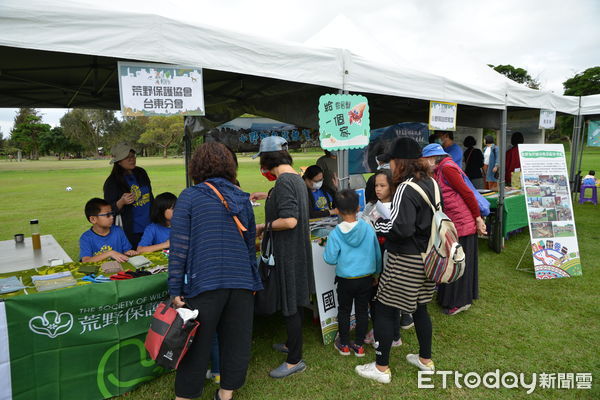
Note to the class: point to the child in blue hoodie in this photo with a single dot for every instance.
(353, 247)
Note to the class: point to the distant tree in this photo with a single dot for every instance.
(22, 114)
(26, 135)
(88, 128)
(584, 83)
(163, 131)
(55, 142)
(519, 75)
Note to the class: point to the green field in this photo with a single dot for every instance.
(518, 325)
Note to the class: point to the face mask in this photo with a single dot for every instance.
(317, 185)
(384, 166)
(267, 174)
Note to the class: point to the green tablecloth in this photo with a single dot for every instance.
(81, 342)
(515, 212)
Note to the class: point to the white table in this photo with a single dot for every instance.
(21, 256)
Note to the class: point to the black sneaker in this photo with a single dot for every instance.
(406, 321)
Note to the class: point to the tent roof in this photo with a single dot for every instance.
(65, 56)
(459, 75)
(590, 105)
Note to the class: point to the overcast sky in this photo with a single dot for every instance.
(552, 39)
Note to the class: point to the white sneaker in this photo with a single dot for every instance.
(370, 371)
(397, 343)
(414, 360)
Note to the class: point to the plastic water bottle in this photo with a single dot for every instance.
(35, 234)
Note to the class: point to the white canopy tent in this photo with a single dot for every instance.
(65, 55)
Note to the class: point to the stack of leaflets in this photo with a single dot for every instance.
(58, 280)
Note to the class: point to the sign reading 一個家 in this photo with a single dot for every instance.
(549, 210)
(547, 119)
(343, 121)
(442, 115)
(160, 90)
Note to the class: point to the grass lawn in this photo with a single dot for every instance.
(518, 324)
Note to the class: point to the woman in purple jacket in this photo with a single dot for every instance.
(212, 268)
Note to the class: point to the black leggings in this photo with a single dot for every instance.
(229, 313)
(293, 325)
(384, 331)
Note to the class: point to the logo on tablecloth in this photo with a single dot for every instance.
(51, 323)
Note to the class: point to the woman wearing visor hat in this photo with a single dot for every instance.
(129, 192)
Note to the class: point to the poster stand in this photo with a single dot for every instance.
(524, 269)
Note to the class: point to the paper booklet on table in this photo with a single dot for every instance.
(139, 262)
(58, 280)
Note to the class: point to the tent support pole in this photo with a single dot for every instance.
(574, 150)
(582, 141)
(496, 236)
(187, 149)
(342, 164)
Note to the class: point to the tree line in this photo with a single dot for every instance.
(91, 133)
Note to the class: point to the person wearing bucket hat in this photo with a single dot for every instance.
(403, 285)
(461, 206)
(129, 192)
(286, 217)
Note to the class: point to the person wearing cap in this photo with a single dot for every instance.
(129, 192)
(403, 285)
(286, 214)
(461, 206)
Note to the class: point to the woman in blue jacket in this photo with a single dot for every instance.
(212, 268)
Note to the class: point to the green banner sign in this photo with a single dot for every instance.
(542, 154)
(593, 134)
(343, 121)
(86, 342)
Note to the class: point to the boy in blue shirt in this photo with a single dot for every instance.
(353, 247)
(103, 240)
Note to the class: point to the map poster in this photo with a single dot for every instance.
(160, 89)
(550, 211)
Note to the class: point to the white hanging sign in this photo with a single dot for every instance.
(442, 116)
(547, 119)
(160, 89)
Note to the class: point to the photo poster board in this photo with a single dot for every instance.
(344, 121)
(593, 134)
(326, 294)
(160, 90)
(549, 211)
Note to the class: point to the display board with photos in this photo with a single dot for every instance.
(550, 211)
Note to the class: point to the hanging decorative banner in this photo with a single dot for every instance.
(550, 212)
(343, 121)
(442, 116)
(160, 89)
(547, 119)
(593, 134)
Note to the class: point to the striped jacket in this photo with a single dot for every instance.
(206, 249)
